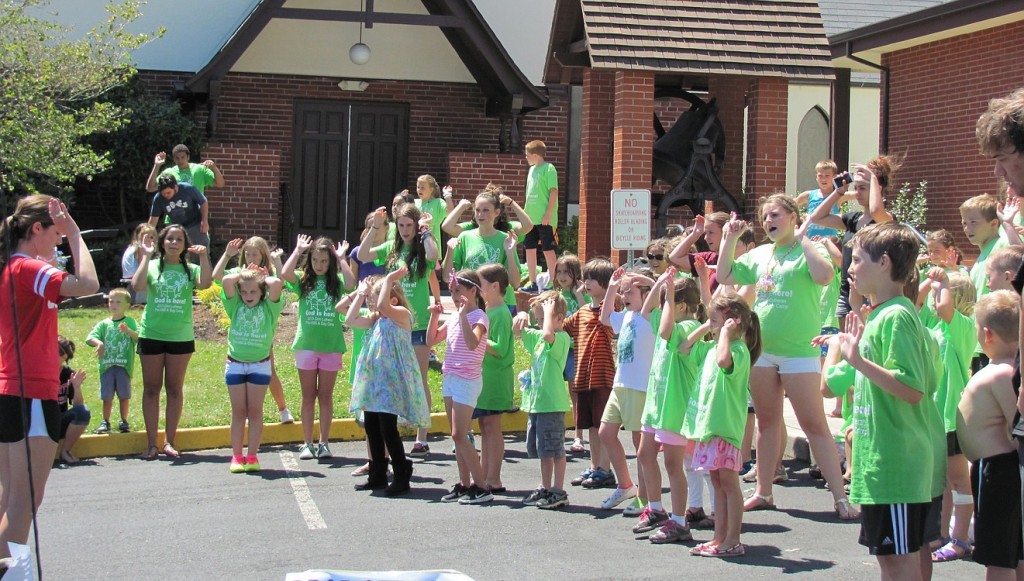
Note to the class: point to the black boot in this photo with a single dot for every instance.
(400, 484)
(378, 477)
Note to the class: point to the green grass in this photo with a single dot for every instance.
(206, 398)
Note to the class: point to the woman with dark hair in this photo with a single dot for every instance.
(167, 338)
(31, 287)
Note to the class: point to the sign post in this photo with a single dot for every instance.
(631, 220)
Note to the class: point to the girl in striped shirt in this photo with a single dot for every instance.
(466, 336)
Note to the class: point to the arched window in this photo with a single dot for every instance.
(811, 146)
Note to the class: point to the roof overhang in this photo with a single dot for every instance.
(917, 28)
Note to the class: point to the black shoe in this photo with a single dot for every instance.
(400, 484)
(378, 477)
(476, 495)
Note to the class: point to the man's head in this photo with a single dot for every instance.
(1000, 134)
(167, 185)
(180, 155)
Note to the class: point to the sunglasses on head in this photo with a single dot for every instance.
(655, 256)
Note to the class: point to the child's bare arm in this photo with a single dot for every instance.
(686, 346)
(609, 297)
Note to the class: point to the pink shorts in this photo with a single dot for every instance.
(315, 360)
(717, 454)
(665, 436)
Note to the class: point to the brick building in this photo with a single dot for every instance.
(940, 66)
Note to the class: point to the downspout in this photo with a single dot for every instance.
(885, 94)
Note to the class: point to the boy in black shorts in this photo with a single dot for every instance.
(542, 208)
(983, 425)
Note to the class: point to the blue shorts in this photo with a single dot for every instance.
(419, 338)
(828, 331)
(569, 373)
(78, 415)
(239, 373)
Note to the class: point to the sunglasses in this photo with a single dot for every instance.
(655, 256)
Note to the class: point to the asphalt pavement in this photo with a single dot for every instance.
(127, 518)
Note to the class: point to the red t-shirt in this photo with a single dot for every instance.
(36, 294)
(595, 349)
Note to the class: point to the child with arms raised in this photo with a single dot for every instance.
(497, 374)
(386, 392)
(569, 283)
(985, 417)
(252, 300)
(723, 374)
(545, 398)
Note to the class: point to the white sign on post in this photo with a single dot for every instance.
(631, 219)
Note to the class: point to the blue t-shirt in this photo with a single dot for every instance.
(814, 199)
(182, 208)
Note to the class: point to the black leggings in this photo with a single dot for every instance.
(381, 431)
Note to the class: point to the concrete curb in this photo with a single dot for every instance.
(342, 429)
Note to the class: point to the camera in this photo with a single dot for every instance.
(841, 180)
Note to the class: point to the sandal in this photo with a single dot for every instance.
(845, 511)
(737, 550)
(758, 502)
(150, 453)
(362, 470)
(697, 519)
(702, 547)
(577, 446)
(170, 451)
(69, 458)
(948, 551)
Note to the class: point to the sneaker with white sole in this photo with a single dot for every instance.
(582, 477)
(323, 451)
(553, 499)
(671, 532)
(781, 475)
(476, 495)
(104, 427)
(533, 497)
(750, 475)
(286, 417)
(307, 452)
(123, 427)
(457, 492)
(650, 519)
(619, 495)
(635, 508)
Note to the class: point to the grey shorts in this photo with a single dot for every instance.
(545, 435)
(115, 380)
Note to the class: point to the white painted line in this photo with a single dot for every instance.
(310, 513)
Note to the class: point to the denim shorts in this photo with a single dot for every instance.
(239, 373)
(419, 338)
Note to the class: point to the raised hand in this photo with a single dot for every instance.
(77, 378)
(425, 220)
(616, 277)
(466, 306)
(303, 243)
(257, 268)
(436, 308)
(160, 158)
(520, 322)
(698, 224)
(548, 306)
(727, 326)
(234, 247)
(453, 243)
(60, 217)
(197, 250)
(447, 192)
(700, 268)
(938, 274)
(733, 227)
(863, 171)
(849, 340)
(1006, 212)
(209, 164)
(341, 250)
(399, 272)
(511, 240)
(277, 253)
(380, 216)
(504, 200)
(668, 276)
(148, 245)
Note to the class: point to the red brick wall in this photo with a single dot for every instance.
(634, 135)
(256, 113)
(936, 92)
(596, 162)
(766, 139)
(252, 208)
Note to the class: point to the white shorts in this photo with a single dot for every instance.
(789, 365)
(464, 391)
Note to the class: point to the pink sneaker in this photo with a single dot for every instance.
(252, 464)
(237, 465)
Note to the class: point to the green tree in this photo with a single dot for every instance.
(50, 81)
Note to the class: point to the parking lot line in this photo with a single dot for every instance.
(310, 512)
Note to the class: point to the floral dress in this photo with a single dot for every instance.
(387, 378)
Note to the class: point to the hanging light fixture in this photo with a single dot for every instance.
(359, 53)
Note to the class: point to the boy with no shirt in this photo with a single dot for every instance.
(983, 427)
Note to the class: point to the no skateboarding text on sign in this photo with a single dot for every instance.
(631, 219)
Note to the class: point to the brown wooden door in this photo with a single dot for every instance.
(349, 159)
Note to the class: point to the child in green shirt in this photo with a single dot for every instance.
(497, 373)
(253, 302)
(114, 340)
(545, 396)
(899, 460)
(542, 208)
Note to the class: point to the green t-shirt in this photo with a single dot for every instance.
(722, 393)
(118, 347)
(978, 274)
(673, 378)
(788, 300)
(319, 326)
(956, 341)
(898, 447)
(512, 224)
(417, 290)
(547, 391)
(251, 334)
(540, 180)
(358, 333)
(168, 312)
(197, 174)
(572, 304)
(498, 375)
(438, 211)
(475, 251)
(840, 378)
(830, 301)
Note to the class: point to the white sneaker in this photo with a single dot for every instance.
(323, 451)
(286, 417)
(307, 452)
(619, 495)
(635, 508)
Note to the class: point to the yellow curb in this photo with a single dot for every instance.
(345, 430)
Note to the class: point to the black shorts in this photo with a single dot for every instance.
(995, 485)
(898, 529)
(979, 362)
(158, 347)
(952, 445)
(590, 406)
(541, 236)
(12, 429)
